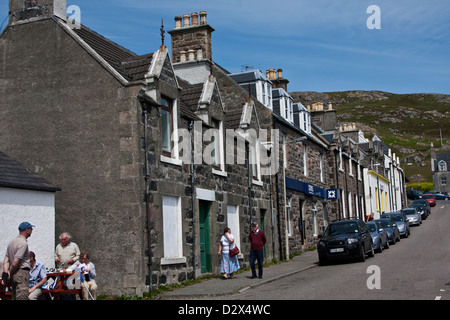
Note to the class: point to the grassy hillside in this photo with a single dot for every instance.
(407, 123)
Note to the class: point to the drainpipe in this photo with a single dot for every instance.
(147, 198)
(191, 128)
(337, 182)
(249, 185)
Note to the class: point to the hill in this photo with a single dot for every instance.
(407, 123)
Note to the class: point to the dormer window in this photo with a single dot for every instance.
(166, 126)
(442, 165)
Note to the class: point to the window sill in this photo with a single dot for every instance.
(169, 261)
(176, 162)
(220, 173)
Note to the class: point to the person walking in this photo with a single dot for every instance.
(16, 265)
(257, 242)
(229, 265)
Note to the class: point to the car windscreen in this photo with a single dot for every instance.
(385, 223)
(371, 227)
(396, 217)
(409, 212)
(341, 228)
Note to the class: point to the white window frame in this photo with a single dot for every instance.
(172, 231)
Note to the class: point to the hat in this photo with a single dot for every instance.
(25, 225)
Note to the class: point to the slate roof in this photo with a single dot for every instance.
(131, 66)
(248, 76)
(14, 175)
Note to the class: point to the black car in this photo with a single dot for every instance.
(391, 228)
(425, 203)
(346, 238)
(420, 207)
(414, 194)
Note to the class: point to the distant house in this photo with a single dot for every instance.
(440, 167)
(24, 196)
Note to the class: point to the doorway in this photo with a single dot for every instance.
(205, 236)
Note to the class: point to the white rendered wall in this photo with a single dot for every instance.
(36, 207)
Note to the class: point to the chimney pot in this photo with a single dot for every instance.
(280, 73)
(178, 22)
(186, 20)
(203, 17)
(191, 54)
(199, 54)
(194, 17)
(183, 56)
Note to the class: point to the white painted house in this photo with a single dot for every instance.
(24, 196)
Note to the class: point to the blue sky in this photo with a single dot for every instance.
(321, 45)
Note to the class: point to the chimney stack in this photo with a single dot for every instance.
(191, 40)
(276, 76)
(20, 10)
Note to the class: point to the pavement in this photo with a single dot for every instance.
(218, 287)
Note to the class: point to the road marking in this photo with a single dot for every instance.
(438, 298)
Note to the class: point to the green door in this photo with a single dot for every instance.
(205, 238)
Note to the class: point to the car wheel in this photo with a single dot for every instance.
(387, 244)
(372, 251)
(362, 254)
(380, 249)
(322, 260)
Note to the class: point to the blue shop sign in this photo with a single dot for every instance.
(304, 187)
(332, 194)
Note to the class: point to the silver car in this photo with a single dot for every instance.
(414, 217)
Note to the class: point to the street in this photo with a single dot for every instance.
(416, 268)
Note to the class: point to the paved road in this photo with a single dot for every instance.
(417, 268)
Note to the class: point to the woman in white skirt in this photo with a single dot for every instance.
(229, 264)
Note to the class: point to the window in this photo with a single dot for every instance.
(321, 167)
(344, 214)
(350, 207)
(173, 243)
(166, 127)
(443, 181)
(288, 217)
(305, 160)
(217, 140)
(442, 165)
(314, 220)
(233, 223)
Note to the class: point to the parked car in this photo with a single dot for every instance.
(414, 217)
(441, 196)
(425, 203)
(379, 236)
(430, 198)
(346, 238)
(413, 194)
(421, 209)
(391, 229)
(401, 221)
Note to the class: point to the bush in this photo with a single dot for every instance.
(424, 186)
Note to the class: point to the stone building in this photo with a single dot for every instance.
(238, 187)
(114, 131)
(440, 168)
